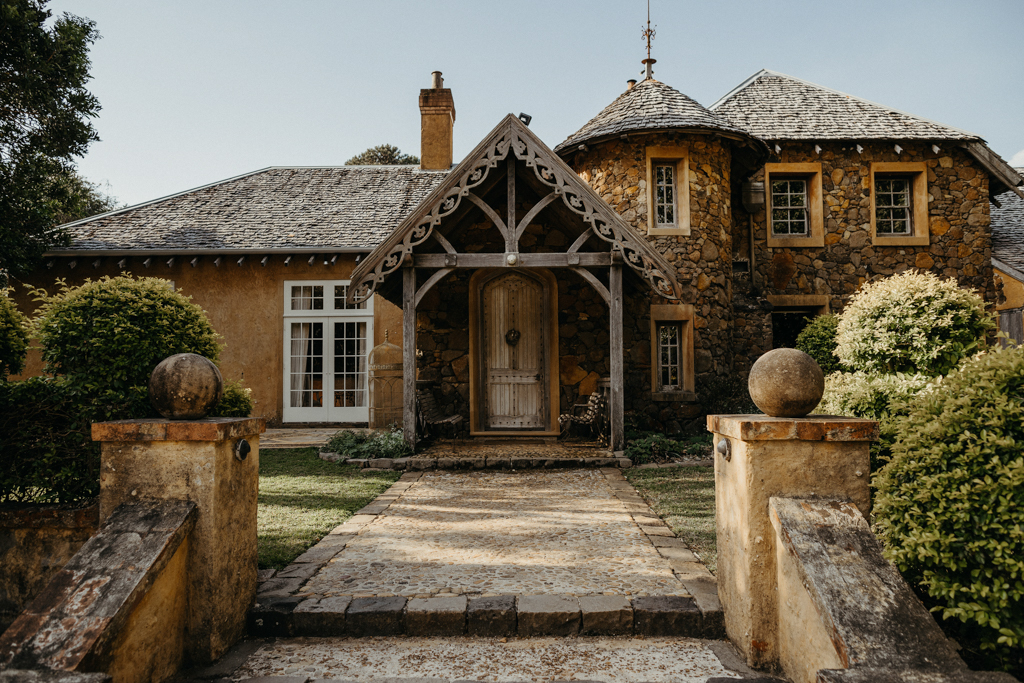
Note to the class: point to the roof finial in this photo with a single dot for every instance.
(648, 34)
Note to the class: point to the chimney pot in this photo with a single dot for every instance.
(436, 82)
(630, 83)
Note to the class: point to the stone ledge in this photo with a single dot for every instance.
(810, 428)
(489, 462)
(153, 429)
(50, 517)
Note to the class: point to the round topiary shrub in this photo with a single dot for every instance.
(949, 503)
(111, 333)
(13, 336)
(913, 323)
(818, 340)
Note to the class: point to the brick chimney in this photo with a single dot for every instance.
(437, 118)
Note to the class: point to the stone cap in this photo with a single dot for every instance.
(159, 429)
(810, 428)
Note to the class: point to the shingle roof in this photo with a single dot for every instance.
(1008, 229)
(343, 207)
(774, 106)
(648, 105)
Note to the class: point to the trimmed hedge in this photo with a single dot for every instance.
(912, 323)
(949, 503)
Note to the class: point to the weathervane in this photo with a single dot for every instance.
(648, 34)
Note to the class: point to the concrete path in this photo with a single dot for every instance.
(296, 438)
(615, 660)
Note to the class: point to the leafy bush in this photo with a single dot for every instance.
(111, 333)
(13, 337)
(912, 323)
(237, 401)
(389, 443)
(949, 503)
(652, 446)
(818, 340)
(873, 397)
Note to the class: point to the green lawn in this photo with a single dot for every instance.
(685, 498)
(302, 498)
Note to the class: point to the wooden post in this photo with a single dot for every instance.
(511, 243)
(615, 336)
(409, 355)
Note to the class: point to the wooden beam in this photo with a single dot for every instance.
(527, 260)
(409, 355)
(537, 208)
(615, 335)
(443, 242)
(580, 241)
(429, 284)
(595, 283)
(491, 213)
(512, 235)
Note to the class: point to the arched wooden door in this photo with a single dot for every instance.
(514, 367)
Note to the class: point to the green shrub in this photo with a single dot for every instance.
(873, 397)
(653, 447)
(13, 337)
(389, 443)
(111, 333)
(912, 323)
(818, 340)
(948, 505)
(237, 401)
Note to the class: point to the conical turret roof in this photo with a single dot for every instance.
(649, 106)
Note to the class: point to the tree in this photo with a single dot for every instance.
(382, 155)
(44, 112)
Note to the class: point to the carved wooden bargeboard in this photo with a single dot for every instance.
(514, 347)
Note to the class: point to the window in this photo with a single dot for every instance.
(789, 207)
(668, 191)
(327, 341)
(791, 313)
(672, 352)
(794, 205)
(899, 203)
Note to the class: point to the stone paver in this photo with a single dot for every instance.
(480, 533)
(297, 438)
(613, 660)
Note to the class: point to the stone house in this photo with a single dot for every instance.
(1008, 260)
(661, 247)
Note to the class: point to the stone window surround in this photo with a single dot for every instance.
(918, 172)
(667, 313)
(820, 303)
(679, 156)
(810, 172)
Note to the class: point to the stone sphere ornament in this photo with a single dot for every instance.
(786, 383)
(185, 386)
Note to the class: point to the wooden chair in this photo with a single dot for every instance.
(591, 414)
(429, 416)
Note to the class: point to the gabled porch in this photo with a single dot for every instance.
(487, 256)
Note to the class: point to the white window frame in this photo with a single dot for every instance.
(329, 316)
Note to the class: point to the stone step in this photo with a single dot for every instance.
(498, 616)
(489, 462)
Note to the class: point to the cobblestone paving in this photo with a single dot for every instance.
(615, 660)
(493, 533)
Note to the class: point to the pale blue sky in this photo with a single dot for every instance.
(198, 91)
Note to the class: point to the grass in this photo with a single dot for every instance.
(685, 498)
(302, 498)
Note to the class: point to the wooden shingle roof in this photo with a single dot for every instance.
(342, 207)
(774, 106)
(648, 106)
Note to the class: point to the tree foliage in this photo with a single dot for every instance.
(13, 336)
(383, 155)
(44, 123)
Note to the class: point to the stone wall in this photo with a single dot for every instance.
(617, 170)
(960, 244)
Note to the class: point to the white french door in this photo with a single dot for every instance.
(326, 342)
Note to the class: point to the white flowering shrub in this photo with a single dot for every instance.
(913, 322)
